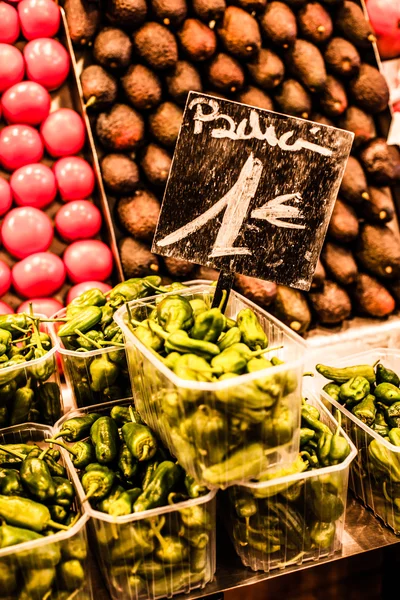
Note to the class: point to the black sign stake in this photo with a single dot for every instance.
(250, 191)
(224, 284)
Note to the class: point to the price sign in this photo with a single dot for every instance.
(251, 191)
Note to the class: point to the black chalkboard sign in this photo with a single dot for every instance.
(251, 191)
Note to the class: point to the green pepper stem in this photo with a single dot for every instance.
(92, 490)
(145, 452)
(53, 320)
(265, 350)
(61, 434)
(56, 525)
(47, 595)
(62, 445)
(74, 520)
(12, 452)
(88, 339)
(136, 566)
(111, 343)
(158, 535)
(43, 454)
(308, 374)
(385, 492)
(28, 337)
(19, 328)
(73, 594)
(376, 363)
(223, 299)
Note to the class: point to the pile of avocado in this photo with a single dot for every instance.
(313, 60)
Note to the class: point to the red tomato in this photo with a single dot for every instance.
(19, 146)
(12, 66)
(47, 62)
(63, 132)
(39, 18)
(26, 102)
(5, 278)
(41, 306)
(5, 309)
(78, 220)
(88, 259)
(5, 196)
(33, 185)
(38, 275)
(26, 230)
(79, 288)
(9, 24)
(74, 177)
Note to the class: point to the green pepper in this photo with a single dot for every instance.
(243, 502)
(8, 578)
(82, 453)
(278, 427)
(179, 580)
(342, 375)
(9, 453)
(333, 391)
(393, 414)
(179, 341)
(140, 440)
(198, 306)
(322, 535)
(209, 430)
(380, 425)
(365, 410)
(123, 504)
(74, 548)
(244, 463)
(172, 550)
(53, 465)
(175, 313)
(97, 481)
(150, 569)
(26, 513)
(127, 463)
(105, 504)
(71, 574)
(309, 419)
(253, 334)
(11, 536)
(171, 360)
(22, 403)
(194, 489)
(104, 436)
(36, 477)
(324, 448)
(37, 582)
(15, 361)
(83, 321)
(394, 437)
(192, 361)
(43, 369)
(107, 314)
(306, 435)
(58, 513)
(7, 392)
(232, 336)
(384, 461)
(49, 398)
(111, 330)
(325, 504)
(298, 466)
(14, 323)
(208, 326)
(5, 341)
(103, 373)
(92, 297)
(387, 393)
(384, 375)
(355, 389)
(10, 483)
(134, 541)
(340, 448)
(65, 493)
(149, 338)
(122, 415)
(292, 524)
(132, 289)
(150, 467)
(163, 481)
(90, 340)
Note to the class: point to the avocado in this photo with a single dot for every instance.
(225, 73)
(165, 123)
(322, 119)
(136, 259)
(177, 267)
(354, 187)
(239, 33)
(306, 62)
(315, 23)
(139, 214)
(372, 298)
(257, 290)
(340, 263)
(198, 41)
(252, 6)
(156, 45)
(255, 97)
(183, 78)
(99, 88)
(120, 174)
(169, 12)
(369, 89)
(379, 208)
(126, 13)
(83, 18)
(378, 251)
(279, 24)
(381, 161)
(331, 304)
(342, 58)
(206, 273)
(351, 22)
(319, 276)
(267, 69)
(112, 48)
(344, 223)
(291, 308)
(360, 123)
(142, 87)
(209, 10)
(293, 99)
(120, 129)
(333, 98)
(156, 163)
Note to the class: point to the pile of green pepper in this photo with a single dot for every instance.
(27, 392)
(372, 394)
(37, 500)
(219, 436)
(123, 470)
(277, 524)
(88, 325)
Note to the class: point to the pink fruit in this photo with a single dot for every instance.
(26, 102)
(63, 132)
(79, 288)
(19, 146)
(5, 309)
(26, 230)
(47, 62)
(74, 177)
(33, 185)
(88, 259)
(78, 220)
(38, 275)
(39, 18)
(385, 19)
(12, 66)
(9, 24)
(5, 196)
(41, 306)
(5, 278)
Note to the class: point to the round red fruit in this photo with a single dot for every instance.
(33, 185)
(5, 278)
(80, 288)
(39, 18)
(5, 309)
(47, 62)
(5, 196)
(19, 146)
(78, 220)
(63, 132)
(9, 24)
(12, 66)
(26, 230)
(74, 177)
(88, 259)
(27, 102)
(38, 275)
(41, 306)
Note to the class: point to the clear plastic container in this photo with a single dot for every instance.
(127, 547)
(286, 529)
(375, 482)
(253, 420)
(57, 564)
(78, 366)
(45, 405)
